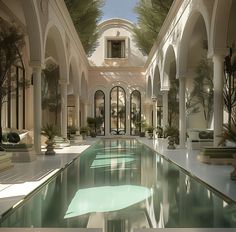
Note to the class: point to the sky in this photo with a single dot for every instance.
(119, 9)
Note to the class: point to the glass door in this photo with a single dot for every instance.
(99, 112)
(117, 111)
(135, 112)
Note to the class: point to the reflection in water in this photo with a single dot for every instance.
(108, 198)
(121, 185)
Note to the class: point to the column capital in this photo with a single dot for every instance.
(164, 91)
(218, 52)
(37, 65)
(165, 88)
(218, 58)
(63, 82)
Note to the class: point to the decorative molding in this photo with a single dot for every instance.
(117, 69)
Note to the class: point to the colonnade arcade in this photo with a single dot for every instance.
(193, 31)
(200, 36)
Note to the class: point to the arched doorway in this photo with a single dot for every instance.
(99, 112)
(135, 112)
(117, 111)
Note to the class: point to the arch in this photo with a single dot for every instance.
(99, 112)
(219, 29)
(57, 49)
(74, 76)
(169, 65)
(117, 111)
(70, 87)
(83, 88)
(110, 23)
(34, 31)
(135, 112)
(182, 55)
(50, 93)
(156, 86)
(149, 88)
(193, 51)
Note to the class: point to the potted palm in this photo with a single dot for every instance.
(141, 125)
(50, 131)
(84, 131)
(91, 124)
(229, 136)
(229, 133)
(172, 134)
(149, 130)
(71, 131)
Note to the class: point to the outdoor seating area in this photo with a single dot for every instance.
(217, 155)
(199, 138)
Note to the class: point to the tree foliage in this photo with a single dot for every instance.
(229, 129)
(151, 15)
(229, 86)
(202, 93)
(51, 96)
(173, 103)
(86, 15)
(11, 43)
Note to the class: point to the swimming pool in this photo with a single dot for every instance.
(118, 185)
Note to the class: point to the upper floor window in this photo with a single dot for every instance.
(115, 48)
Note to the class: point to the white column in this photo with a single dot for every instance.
(63, 84)
(147, 112)
(165, 108)
(128, 127)
(182, 117)
(37, 114)
(218, 81)
(154, 99)
(107, 116)
(77, 111)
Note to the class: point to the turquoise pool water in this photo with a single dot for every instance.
(120, 185)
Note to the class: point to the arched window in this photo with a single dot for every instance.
(15, 97)
(99, 112)
(135, 112)
(117, 111)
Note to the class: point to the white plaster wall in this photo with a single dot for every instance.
(103, 77)
(105, 80)
(114, 30)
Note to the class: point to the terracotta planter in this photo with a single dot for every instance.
(171, 143)
(150, 135)
(50, 147)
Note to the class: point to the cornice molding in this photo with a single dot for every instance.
(115, 21)
(115, 69)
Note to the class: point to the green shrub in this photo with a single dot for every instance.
(13, 137)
